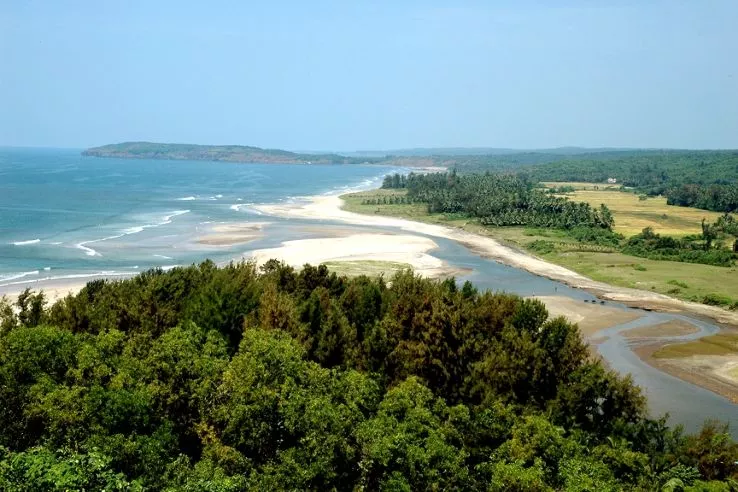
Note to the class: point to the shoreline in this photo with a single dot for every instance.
(329, 207)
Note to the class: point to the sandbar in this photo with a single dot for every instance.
(377, 247)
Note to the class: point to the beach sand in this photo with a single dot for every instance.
(590, 317)
(53, 290)
(375, 247)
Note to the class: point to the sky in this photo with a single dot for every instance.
(360, 75)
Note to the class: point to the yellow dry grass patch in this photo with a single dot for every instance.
(370, 268)
(632, 214)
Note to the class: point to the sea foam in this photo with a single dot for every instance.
(25, 243)
(167, 219)
(16, 276)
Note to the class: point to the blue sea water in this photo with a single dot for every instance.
(64, 216)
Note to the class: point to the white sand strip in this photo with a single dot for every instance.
(398, 248)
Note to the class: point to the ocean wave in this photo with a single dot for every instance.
(127, 232)
(187, 198)
(164, 257)
(88, 251)
(71, 276)
(25, 243)
(247, 207)
(16, 276)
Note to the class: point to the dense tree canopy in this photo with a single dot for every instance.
(235, 378)
(702, 179)
(500, 200)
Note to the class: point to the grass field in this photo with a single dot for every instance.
(688, 281)
(371, 268)
(632, 214)
(720, 344)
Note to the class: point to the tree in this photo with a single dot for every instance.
(708, 234)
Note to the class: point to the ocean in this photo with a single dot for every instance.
(65, 216)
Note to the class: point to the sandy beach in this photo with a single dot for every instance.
(53, 291)
(394, 248)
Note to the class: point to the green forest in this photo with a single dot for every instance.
(246, 378)
(512, 200)
(498, 199)
(701, 179)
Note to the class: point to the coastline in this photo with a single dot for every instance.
(408, 249)
(329, 207)
(353, 249)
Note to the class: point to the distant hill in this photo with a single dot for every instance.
(228, 153)
(479, 151)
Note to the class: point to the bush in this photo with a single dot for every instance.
(678, 284)
(596, 235)
(717, 300)
(541, 246)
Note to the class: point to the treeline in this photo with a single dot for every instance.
(512, 200)
(388, 200)
(499, 200)
(717, 197)
(702, 179)
(226, 379)
(690, 249)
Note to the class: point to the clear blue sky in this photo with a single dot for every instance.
(340, 75)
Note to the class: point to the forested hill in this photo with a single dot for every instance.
(228, 153)
(463, 159)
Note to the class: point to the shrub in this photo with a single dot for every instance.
(542, 247)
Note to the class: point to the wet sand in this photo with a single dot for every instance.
(233, 233)
(590, 317)
(717, 373)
